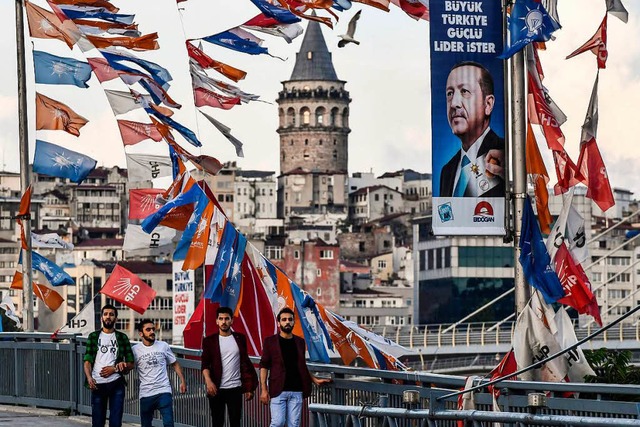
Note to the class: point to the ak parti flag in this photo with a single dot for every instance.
(142, 43)
(128, 289)
(49, 297)
(54, 115)
(24, 211)
(596, 44)
(540, 177)
(46, 25)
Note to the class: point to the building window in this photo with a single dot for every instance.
(296, 254)
(422, 260)
(306, 116)
(318, 272)
(326, 254)
(273, 252)
(319, 292)
(382, 263)
(361, 247)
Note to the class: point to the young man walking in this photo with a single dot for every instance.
(227, 370)
(152, 358)
(289, 378)
(108, 355)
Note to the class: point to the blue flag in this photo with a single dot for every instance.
(341, 5)
(279, 14)
(528, 22)
(535, 260)
(234, 42)
(182, 130)
(152, 221)
(56, 70)
(308, 312)
(192, 226)
(54, 274)
(53, 160)
(73, 13)
(158, 73)
(212, 289)
(231, 292)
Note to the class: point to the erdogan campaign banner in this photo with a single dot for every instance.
(184, 296)
(467, 117)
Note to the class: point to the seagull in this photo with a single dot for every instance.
(348, 38)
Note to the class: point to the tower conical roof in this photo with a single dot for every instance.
(313, 61)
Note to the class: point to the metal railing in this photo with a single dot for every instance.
(42, 372)
(434, 337)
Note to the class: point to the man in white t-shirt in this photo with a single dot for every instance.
(107, 356)
(152, 358)
(227, 370)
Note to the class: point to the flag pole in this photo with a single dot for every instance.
(25, 178)
(518, 138)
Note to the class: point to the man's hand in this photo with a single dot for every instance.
(211, 388)
(494, 163)
(248, 395)
(92, 383)
(264, 397)
(183, 387)
(122, 366)
(107, 371)
(320, 381)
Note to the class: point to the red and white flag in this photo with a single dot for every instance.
(596, 44)
(128, 289)
(143, 202)
(135, 132)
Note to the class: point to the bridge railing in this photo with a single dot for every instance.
(39, 371)
(489, 333)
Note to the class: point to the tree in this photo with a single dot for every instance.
(613, 367)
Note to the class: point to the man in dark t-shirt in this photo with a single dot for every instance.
(289, 378)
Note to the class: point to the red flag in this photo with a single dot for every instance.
(46, 25)
(142, 202)
(598, 186)
(596, 44)
(135, 132)
(540, 114)
(205, 61)
(95, 3)
(414, 8)
(206, 97)
(507, 365)
(103, 71)
(54, 115)
(128, 289)
(566, 171)
(575, 283)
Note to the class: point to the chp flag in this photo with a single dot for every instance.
(83, 323)
(128, 289)
(467, 118)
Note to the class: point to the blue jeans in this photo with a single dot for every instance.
(111, 394)
(163, 403)
(286, 409)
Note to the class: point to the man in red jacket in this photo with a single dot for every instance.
(227, 370)
(289, 378)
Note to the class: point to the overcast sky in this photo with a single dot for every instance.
(387, 76)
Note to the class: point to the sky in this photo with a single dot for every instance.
(387, 76)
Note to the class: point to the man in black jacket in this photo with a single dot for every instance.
(477, 169)
(227, 370)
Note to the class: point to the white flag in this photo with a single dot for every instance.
(9, 309)
(122, 102)
(576, 237)
(557, 235)
(286, 31)
(49, 240)
(83, 323)
(386, 345)
(543, 311)
(566, 336)
(617, 9)
(159, 240)
(145, 167)
(226, 131)
(532, 342)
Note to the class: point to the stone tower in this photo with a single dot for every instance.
(313, 128)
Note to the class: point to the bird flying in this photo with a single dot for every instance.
(351, 29)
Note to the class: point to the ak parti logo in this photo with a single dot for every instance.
(483, 212)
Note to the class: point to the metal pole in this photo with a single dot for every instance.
(25, 178)
(518, 138)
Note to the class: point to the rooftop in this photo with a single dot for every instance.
(313, 61)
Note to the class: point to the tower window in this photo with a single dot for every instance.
(309, 56)
(306, 116)
(306, 142)
(335, 154)
(291, 143)
(320, 142)
(335, 142)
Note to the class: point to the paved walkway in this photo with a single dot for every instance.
(25, 416)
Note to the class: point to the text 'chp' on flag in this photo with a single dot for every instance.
(128, 289)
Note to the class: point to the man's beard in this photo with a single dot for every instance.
(108, 324)
(150, 339)
(286, 328)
